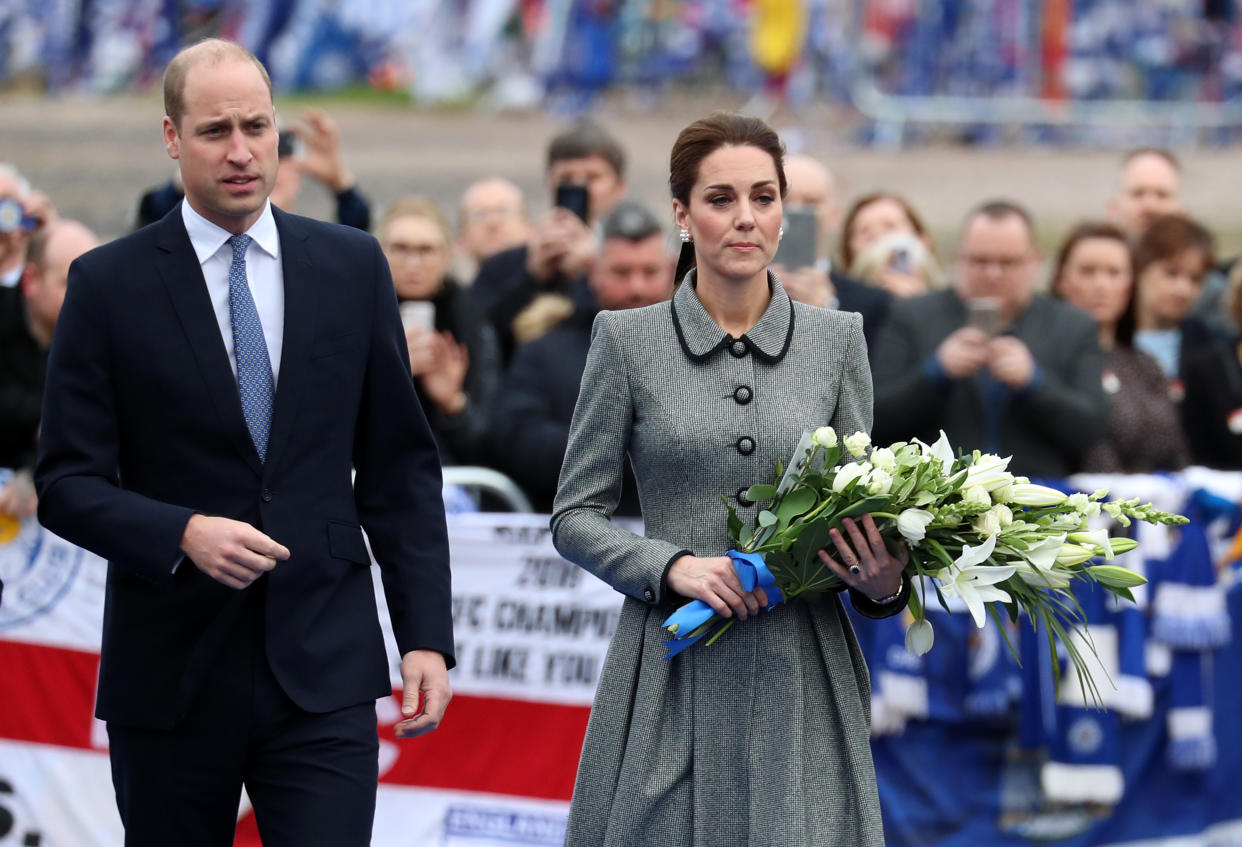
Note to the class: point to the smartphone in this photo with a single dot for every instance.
(288, 144)
(899, 260)
(574, 198)
(418, 313)
(983, 313)
(798, 247)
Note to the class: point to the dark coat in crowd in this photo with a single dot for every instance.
(535, 405)
(22, 364)
(872, 303)
(1212, 406)
(504, 287)
(1047, 427)
(461, 437)
(1144, 431)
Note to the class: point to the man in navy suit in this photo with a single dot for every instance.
(214, 379)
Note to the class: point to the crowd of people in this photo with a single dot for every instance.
(1120, 353)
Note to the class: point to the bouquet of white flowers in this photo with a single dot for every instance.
(974, 530)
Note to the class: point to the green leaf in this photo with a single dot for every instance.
(735, 523)
(761, 492)
(767, 518)
(799, 501)
(780, 469)
(860, 507)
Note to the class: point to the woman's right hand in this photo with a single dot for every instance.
(714, 581)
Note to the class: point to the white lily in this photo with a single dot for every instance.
(848, 473)
(912, 524)
(941, 450)
(1044, 554)
(1026, 494)
(1040, 578)
(975, 582)
(989, 472)
(1074, 554)
(919, 637)
(1097, 538)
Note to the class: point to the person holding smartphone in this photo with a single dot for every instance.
(997, 366)
(453, 354)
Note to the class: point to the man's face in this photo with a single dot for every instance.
(997, 259)
(1150, 187)
(44, 289)
(811, 187)
(493, 219)
(605, 188)
(226, 143)
(630, 274)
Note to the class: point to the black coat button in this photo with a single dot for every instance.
(739, 348)
(266, 496)
(742, 499)
(746, 445)
(648, 595)
(743, 395)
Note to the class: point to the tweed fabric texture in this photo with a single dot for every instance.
(762, 738)
(254, 367)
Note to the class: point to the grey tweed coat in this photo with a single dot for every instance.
(762, 738)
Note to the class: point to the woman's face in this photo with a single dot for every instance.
(418, 257)
(1097, 278)
(734, 216)
(878, 218)
(1169, 288)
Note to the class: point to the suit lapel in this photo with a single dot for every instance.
(183, 279)
(300, 304)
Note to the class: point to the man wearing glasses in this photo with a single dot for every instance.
(997, 366)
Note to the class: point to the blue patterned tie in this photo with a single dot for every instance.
(254, 368)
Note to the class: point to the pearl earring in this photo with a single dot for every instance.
(780, 234)
(685, 236)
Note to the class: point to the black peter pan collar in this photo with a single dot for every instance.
(702, 338)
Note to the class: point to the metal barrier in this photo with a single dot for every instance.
(477, 480)
(1098, 63)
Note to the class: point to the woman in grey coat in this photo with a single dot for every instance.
(761, 738)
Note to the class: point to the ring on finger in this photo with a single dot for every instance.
(855, 570)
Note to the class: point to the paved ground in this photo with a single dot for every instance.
(94, 157)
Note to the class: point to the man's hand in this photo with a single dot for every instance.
(580, 244)
(232, 553)
(324, 156)
(1011, 361)
(559, 244)
(963, 352)
(423, 673)
(807, 285)
(18, 498)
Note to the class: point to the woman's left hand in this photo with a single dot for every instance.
(868, 565)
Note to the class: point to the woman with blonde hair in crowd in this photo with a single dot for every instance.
(884, 242)
(1094, 270)
(453, 351)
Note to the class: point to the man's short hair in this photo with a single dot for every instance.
(1158, 152)
(210, 50)
(630, 221)
(583, 140)
(998, 210)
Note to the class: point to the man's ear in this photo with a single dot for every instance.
(172, 141)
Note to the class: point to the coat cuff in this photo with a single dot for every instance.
(868, 608)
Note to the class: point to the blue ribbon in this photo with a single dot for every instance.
(751, 571)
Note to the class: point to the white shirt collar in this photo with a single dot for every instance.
(207, 238)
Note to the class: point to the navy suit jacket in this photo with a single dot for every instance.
(142, 427)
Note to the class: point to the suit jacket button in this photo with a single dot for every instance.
(743, 395)
(648, 595)
(742, 499)
(738, 348)
(746, 445)
(266, 496)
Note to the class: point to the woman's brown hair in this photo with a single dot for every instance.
(1167, 237)
(704, 137)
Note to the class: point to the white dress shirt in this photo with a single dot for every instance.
(263, 272)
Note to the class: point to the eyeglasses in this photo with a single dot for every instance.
(1003, 264)
(499, 212)
(413, 251)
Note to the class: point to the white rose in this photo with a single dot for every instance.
(825, 437)
(857, 444)
(912, 524)
(883, 458)
(1004, 494)
(919, 637)
(1003, 513)
(879, 481)
(1077, 501)
(987, 524)
(848, 473)
(977, 494)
